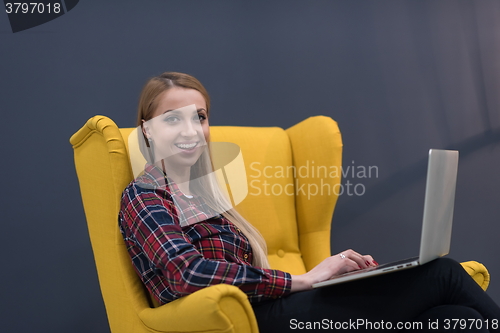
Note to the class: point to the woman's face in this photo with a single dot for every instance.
(179, 128)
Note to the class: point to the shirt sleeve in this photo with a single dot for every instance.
(150, 217)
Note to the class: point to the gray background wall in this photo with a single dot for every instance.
(400, 77)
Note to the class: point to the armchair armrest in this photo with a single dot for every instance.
(219, 308)
(478, 272)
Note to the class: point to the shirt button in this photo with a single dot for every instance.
(245, 256)
(237, 229)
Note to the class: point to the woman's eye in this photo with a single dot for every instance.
(171, 119)
(201, 117)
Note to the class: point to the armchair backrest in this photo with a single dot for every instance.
(293, 180)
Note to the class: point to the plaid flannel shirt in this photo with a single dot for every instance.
(174, 261)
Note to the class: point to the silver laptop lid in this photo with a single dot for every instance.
(439, 203)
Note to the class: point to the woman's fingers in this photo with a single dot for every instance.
(346, 261)
(356, 257)
(362, 261)
(370, 260)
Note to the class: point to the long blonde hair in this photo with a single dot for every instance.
(213, 194)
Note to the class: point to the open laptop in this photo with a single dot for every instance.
(437, 222)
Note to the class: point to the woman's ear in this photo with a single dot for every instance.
(145, 130)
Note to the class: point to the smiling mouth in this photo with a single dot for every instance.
(186, 146)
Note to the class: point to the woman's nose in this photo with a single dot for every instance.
(189, 128)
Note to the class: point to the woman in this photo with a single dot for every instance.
(183, 235)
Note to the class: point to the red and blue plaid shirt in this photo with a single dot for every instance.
(174, 261)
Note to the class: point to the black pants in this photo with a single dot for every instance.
(436, 297)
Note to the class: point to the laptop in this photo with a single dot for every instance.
(437, 222)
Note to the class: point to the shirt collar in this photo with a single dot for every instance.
(190, 209)
(160, 179)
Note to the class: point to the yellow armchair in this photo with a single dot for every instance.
(283, 202)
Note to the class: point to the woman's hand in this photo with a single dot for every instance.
(343, 262)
